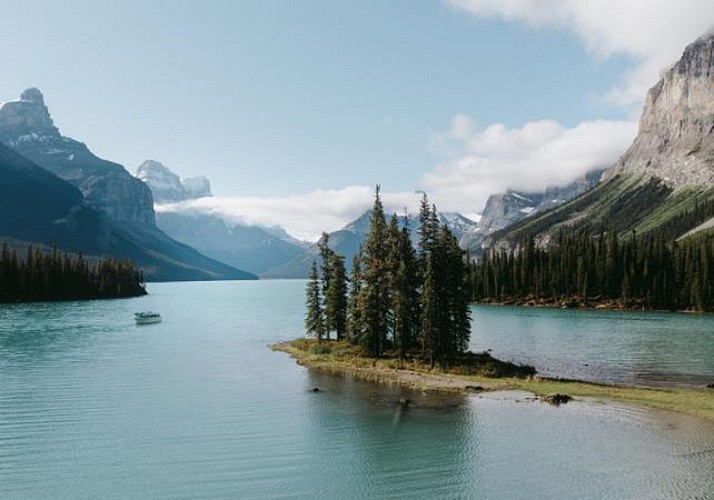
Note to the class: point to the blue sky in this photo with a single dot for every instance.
(273, 100)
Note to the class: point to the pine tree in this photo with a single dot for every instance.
(375, 277)
(336, 297)
(459, 317)
(326, 257)
(314, 318)
(429, 313)
(405, 295)
(354, 302)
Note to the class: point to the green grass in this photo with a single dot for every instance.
(343, 358)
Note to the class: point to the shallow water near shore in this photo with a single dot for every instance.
(620, 347)
(92, 406)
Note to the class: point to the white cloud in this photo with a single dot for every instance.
(652, 32)
(487, 160)
(530, 158)
(484, 161)
(304, 216)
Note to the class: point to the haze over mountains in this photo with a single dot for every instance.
(116, 208)
(253, 248)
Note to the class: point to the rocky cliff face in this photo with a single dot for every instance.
(26, 126)
(676, 136)
(167, 187)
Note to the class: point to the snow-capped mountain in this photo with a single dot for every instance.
(167, 187)
(507, 208)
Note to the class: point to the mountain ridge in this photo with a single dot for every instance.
(253, 248)
(119, 206)
(665, 180)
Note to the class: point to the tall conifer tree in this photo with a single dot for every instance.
(314, 317)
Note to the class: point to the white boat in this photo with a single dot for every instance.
(146, 317)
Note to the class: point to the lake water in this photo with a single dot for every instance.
(633, 348)
(92, 406)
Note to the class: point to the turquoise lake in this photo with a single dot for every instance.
(93, 406)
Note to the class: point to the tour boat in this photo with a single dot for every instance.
(146, 317)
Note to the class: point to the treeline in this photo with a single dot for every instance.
(398, 299)
(60, 276)
(649, 272)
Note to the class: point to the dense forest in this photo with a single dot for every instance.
(582, 268)
(54, 276)
(398, 300)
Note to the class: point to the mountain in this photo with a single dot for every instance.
(505, 209)
(246, 247)
(676, 136)
(118, 207)
(253, 248)
(348, 240)
(36, 206)
(26, 126)
(665, 180)
(167, 187)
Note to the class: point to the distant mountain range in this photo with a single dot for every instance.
(54, 190)
(504, 209)
(665, 180)
(82, 202)
(347, 242)
(250, 247)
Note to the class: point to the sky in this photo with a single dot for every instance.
(295, 110)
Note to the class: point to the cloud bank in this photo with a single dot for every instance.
(483, 161)
(304, 216)
(651, 32)
(491, 159)
(529, 158)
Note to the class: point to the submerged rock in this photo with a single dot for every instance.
(557, 399)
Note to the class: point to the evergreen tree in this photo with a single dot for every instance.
(314, 318)
(336, 297)
(405, 295)
(375, 277)
(402, 299)
(354, 302)
(326, 257)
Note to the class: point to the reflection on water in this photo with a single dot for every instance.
(197, 407)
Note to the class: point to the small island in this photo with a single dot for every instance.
(403, 317)
(482, 372)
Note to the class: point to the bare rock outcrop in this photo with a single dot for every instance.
(676, 136)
